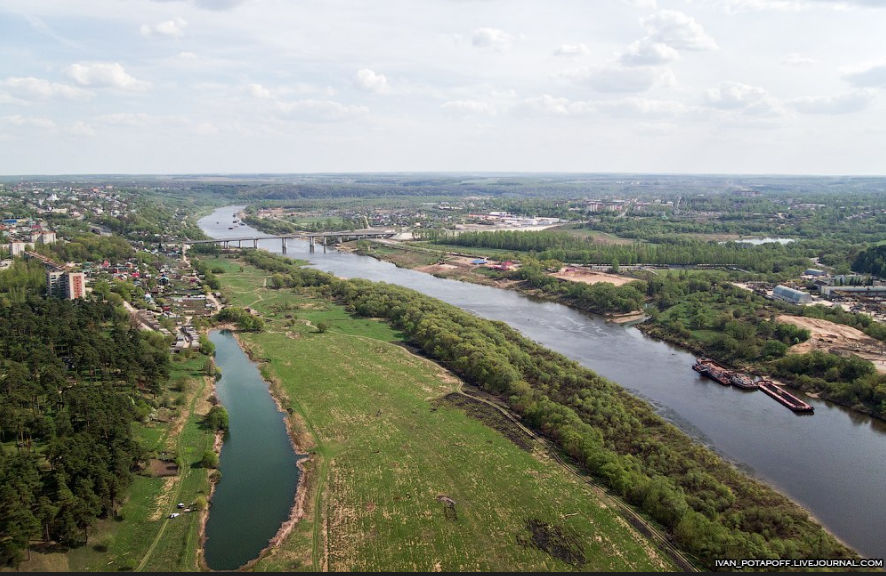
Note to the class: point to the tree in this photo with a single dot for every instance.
(217, 418)
(322, 327)
(209, 460)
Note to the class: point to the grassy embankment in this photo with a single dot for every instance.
(388, 440)
(142, 536)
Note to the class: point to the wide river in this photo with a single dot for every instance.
(833, 462)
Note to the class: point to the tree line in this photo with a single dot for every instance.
(564, 247)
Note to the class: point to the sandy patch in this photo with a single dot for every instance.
(837, 339)
(588, 276)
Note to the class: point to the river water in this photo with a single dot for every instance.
(833, 462)
(257, 464)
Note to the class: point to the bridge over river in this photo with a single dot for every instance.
(311, 237)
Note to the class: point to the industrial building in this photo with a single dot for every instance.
(814, 272)
(786, 294)
(867, 291)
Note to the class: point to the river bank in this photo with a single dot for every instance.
(841, 487)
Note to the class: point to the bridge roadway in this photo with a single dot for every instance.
(309, 236)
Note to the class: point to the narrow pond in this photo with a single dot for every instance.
(833, 463)
(259, 472)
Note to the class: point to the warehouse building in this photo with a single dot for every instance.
(786, 294)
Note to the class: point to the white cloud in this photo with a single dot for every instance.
(170, 28)
(105, 75)
(678, 30)
(215, 5)
(137, 119)
(734, 95)
(572, 50)
(368, 81)
(617, 78)
(631, 107)
(743, 98)
(797, 5)
(843, 104)
(28, 121)
(321, 110)
(872, 76)
(30, 87)
(797, 60)
(547, 105)
(81, 129)
(647, 53)
(258, 91)
(642, 107)
(469, 107)
(491, 38)
(642, 3)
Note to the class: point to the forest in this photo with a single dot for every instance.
(710, 509)
(871, 261)
(74, 376)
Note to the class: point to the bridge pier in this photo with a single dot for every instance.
(283, 242)
(311, 244)
(255, 243)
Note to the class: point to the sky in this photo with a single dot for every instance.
(296, 86)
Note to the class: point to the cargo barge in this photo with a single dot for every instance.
(723, 375)
(784, 397)
(714, 371)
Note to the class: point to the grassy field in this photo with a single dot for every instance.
(391, 439)
(141, 535)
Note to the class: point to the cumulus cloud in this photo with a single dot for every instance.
(368, 81)
(632, 107)
(842, 104)
(572, 50)
(135, 119)
(170, 28)
(105, 75)
(81, 129)
(873, 76)
(38, 88)
(321, 110)
(215, 5)
(642, 3)
(744, 98)
(618, 78)
(796, 5)
(28, 121)
(678, 30)
(258, 91)
(469, 107)
(547, 105)
(648, 53)
(491, 38)
(797, 60)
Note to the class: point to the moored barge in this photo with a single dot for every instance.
(743, 381)
(784, 397)
(712, 370)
